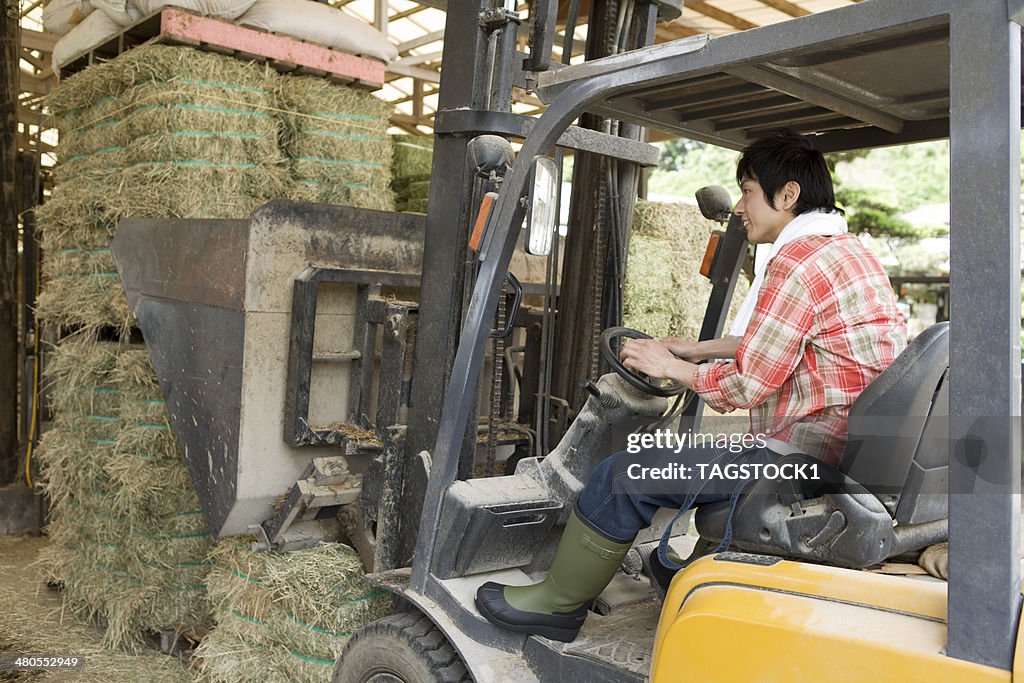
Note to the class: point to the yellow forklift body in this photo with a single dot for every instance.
(729, 621)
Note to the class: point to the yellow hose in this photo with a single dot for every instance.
(35, 386)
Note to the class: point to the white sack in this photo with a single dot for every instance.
(218, 9)
(60, 16)
(122, 12)
(95, 29)
(319, 23)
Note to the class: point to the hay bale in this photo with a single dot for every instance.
(413, 157)
(410, 171)
(71, 462)
(287, 613)
(335, 141)
(78, 377)
(167, 121)
(665, 293)
(131, 605)
(75, 217)
(101, 84)
(323, 586)
(83, 290)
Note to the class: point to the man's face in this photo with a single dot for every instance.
(762, 222)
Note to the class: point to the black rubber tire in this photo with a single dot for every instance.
(403, 647)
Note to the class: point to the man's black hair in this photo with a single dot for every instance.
(781, 156)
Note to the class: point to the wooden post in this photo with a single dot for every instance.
(9, 343)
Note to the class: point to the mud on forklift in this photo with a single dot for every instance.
(934, 443)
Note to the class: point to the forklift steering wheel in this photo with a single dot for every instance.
(637, 379)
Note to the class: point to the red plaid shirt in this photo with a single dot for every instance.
(825, 325)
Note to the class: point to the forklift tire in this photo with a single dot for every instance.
(400, 648)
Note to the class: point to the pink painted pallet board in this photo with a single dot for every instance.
(189, 27)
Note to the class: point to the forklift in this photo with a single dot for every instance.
(934, 447)
(937, 443)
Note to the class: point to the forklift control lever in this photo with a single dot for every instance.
(607, 399)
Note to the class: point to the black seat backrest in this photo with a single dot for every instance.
(896, 446)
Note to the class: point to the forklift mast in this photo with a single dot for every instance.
(480, 70)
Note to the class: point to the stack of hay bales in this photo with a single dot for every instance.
(410, 172)
(284, 617)
(160, 132)
(337, 149)
(665, 292)
(129, 542)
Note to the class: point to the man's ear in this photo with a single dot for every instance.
(789, 194)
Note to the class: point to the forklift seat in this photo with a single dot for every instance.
(888, 496)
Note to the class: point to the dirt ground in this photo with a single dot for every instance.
(31, 622)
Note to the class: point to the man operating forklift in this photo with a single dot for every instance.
(819, 324)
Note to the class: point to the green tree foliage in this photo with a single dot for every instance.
(867, 214)
(686, 166)
(904, 177)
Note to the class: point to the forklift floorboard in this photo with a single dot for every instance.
(624, 638)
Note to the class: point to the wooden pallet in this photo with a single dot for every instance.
(283, 53)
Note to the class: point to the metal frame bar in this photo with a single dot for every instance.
(985, 596)
(297, 431)
(725, 272)
(985, 362)
(399, 321)
(29, 199)
(364, 340)
(450, 210)
(517, 125)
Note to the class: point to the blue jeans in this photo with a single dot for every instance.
(618, 504)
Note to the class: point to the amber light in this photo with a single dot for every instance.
(481, 220)
(709, 253)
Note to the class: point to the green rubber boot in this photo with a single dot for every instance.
(555, 608)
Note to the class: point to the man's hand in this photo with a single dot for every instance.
(654, 359)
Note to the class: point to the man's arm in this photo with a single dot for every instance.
(675, 358)
(774, 344)
(724, 348)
